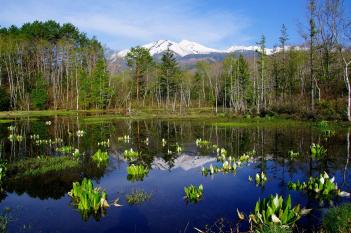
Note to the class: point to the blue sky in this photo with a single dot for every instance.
(124, 23)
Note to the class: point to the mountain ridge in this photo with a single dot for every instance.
(186, 47)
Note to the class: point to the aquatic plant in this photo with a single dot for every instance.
(146, 141)
(137, 197)
(104, 143)
(12, 128)
(227, 166)
(80, 133)
(164, 142)
(317, 151)
(193, 193)
(87, 198)
(124, 138)
(64, 149)
(3, 169)
(202, 143)
(338, 219)
(260, 178)
(15, 138)
(275, 211)
(50, 142)
(131, 155)
(293, 155)
(322, 187)
(179, 149)
(137, 172)
(76, 154)
(34, 136)
(247, 156)
(100, 157)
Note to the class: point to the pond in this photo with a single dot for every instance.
(35, 192)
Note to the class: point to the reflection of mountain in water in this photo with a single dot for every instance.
(184, 161)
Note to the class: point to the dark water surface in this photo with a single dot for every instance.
(41, 204)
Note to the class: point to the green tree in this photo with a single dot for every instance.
(139, 60)
(39, 93)
(169, 73)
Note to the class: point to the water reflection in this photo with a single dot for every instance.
(270, 143)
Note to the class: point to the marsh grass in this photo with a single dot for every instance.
(338, 219)
(137, 197)
(41, 165)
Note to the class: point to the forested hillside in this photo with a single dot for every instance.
(45, 65)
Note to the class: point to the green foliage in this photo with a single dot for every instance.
(260, 178)
(76, 154)
(193, 193)
(137, 197)
(169, 74)
(131, 155)
(137, 172)
(41, 165)
(64, 149)
(322, 187)
(39, 94)
(338, 219)
(15, 138)
(87, 198)
(274, 229)
(275, 211)
(3, 170)
(293, 155)
(202, 143)
(100, 157)
(139, 60)
(318, 151)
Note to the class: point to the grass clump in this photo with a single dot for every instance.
(87, 198)
(274, 229)
(100, 157)
(338, 219)
(131, 155)
(137, 197)
(318, 151)
(193, 193)
(137, 172)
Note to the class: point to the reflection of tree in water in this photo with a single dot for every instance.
(52, 184)
(266, 141)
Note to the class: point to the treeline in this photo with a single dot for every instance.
(52, 66)
(310, 80)
(47, 65)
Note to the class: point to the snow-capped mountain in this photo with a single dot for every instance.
(185, 48)
(181, 49)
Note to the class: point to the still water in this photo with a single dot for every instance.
(39, 203)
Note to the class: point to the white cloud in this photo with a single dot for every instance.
(137, 21)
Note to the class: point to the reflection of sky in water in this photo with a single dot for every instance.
(167, 211)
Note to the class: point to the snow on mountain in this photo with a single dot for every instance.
(182, 48)
(185, 47)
